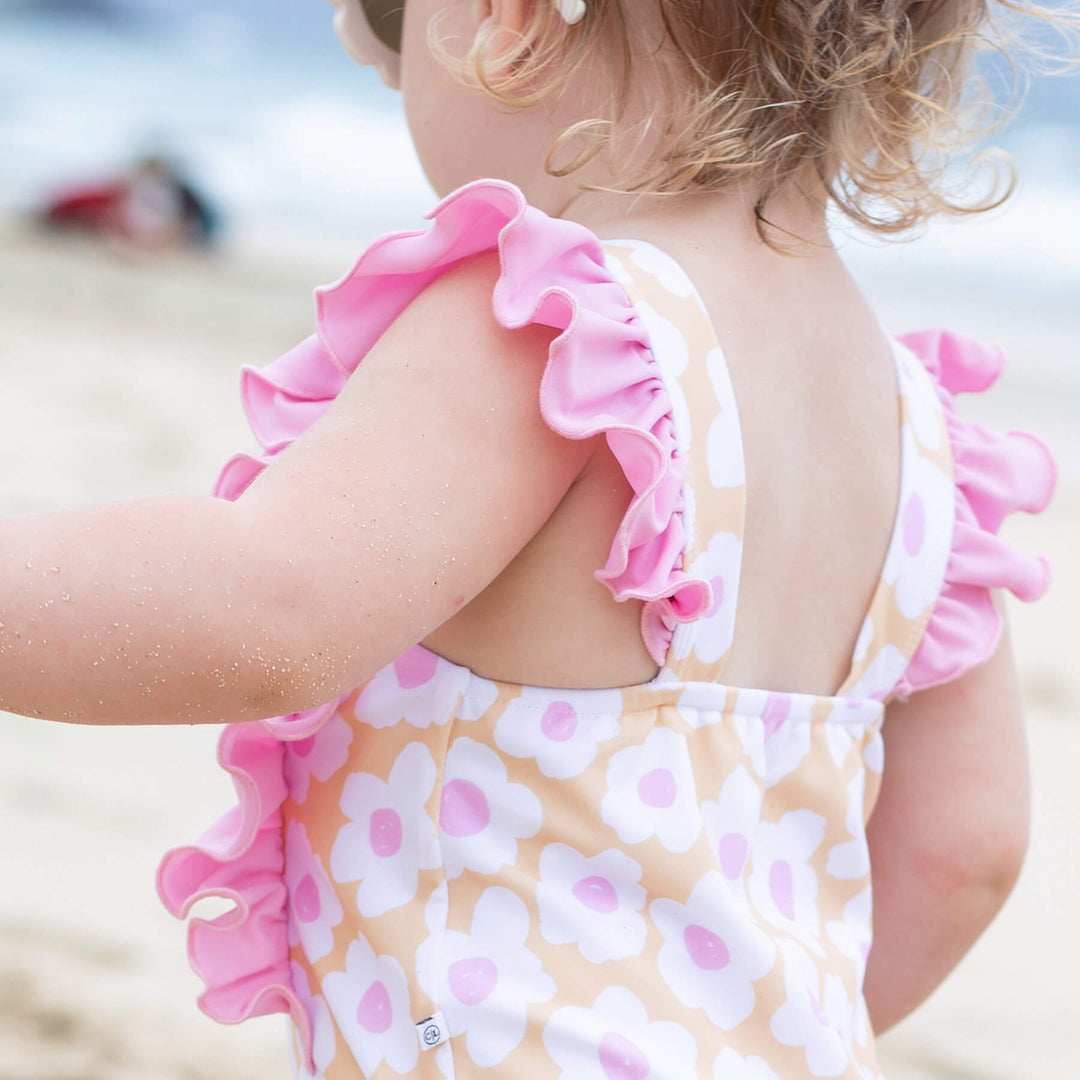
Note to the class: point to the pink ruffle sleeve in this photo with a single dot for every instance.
(601, 378)
(995, 475)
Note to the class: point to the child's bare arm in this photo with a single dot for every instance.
(949, 832)
(428, 474)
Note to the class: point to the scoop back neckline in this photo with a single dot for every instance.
(896, 350)
(653, 688)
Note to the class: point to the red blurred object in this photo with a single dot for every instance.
(88, 206)
(152, 205)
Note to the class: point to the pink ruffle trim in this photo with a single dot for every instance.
(601, 377)
(243, 954)
(995, 476)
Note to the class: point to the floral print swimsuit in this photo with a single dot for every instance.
(444, 876)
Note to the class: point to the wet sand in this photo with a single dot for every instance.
(119, 379)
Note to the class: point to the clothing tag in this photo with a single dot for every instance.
(432, 1032)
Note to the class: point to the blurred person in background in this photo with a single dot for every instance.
(152, 206)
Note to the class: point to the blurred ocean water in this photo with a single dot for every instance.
(299, 147)
(294, 142)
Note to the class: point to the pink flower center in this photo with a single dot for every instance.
(472, 980)
(374, 1012)
(657, 788)
(816, 1009)
(777, 707)
(384, 832)
(732, 850)
(306, 899)
(559, 721)
(914, 524)
(621, 1059)
(415, 667)
(717, 584)
(464, 810)
(303, 747)
(782, 888)
(706, 949)
(597, 893)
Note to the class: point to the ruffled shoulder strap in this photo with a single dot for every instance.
(601, 378)
(994, 475)
(601, 375)
(706, 417)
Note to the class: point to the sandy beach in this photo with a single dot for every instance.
(119, 379)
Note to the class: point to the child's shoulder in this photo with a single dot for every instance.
(548, 367)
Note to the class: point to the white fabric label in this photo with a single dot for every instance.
(432, 1032)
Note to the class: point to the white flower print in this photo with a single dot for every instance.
(418, 687)
(485, 980)
(881, 674)
(719, 564)
(874, 754)
(436, 911)
(480, 694)
(370, 1002)
(323, 1038)
(559, 729)
(853, 936)
(615, 1041)
(752, 737)
(314, 909)
(920, 546)
(727, 468)
(390, 837)
(730, 1065)
(851, 859)
(444, 1061)
(813, 1017)
(847, 723)
(591, 902)
(702, 704)
(481, 815)
(319, 755)
(788, 720)
(731, 820)
(923, 406)
(650, 792)
(783, 886)
(839, 738)
(614, 263)
(784, 723)
(711, 954)
(862, 642)
(852, 933)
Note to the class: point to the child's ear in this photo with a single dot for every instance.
(508, 18)
(510, 14)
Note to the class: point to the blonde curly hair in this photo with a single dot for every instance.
(875, 96)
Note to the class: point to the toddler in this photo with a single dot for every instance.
(612, 591)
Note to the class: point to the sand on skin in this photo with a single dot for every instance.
(119, 379)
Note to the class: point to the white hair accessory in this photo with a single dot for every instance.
(573, 11)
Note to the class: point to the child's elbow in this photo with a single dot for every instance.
(291, 676)
(982, 867)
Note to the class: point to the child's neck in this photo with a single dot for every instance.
(798, 222)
